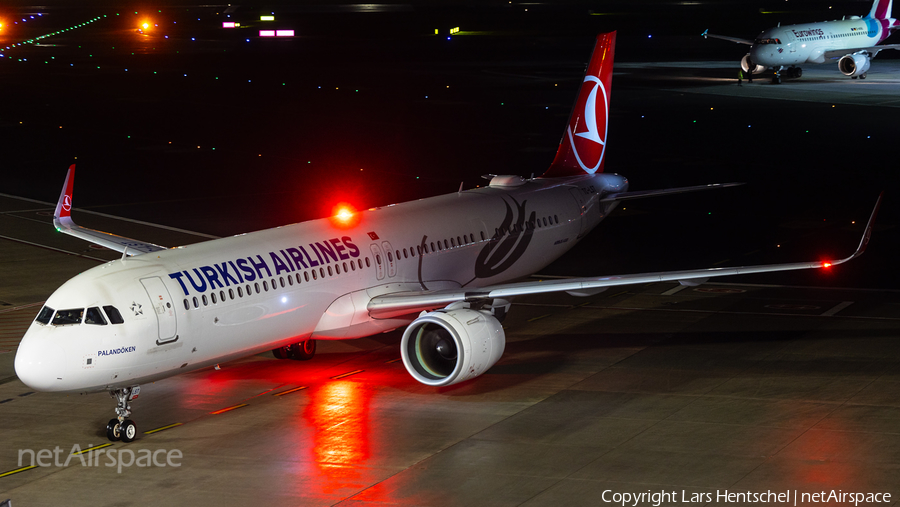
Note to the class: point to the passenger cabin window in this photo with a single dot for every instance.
(44, 315)
(68, 317)
(113, 314)
(93, 316)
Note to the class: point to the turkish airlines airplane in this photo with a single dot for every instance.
(439, 266)
(852, 41)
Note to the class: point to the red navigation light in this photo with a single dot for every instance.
(826, 264)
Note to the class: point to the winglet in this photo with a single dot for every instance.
(64, 205)
(867, 235)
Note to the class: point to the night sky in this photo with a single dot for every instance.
(218, 130)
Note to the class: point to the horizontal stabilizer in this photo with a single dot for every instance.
(640, 194)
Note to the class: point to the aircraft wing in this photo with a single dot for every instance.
(838, 53)
(396, 304)
(624, 196)
(62, 220)
(706, 34)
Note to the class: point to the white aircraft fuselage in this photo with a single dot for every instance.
(194, 306)
(809, 42)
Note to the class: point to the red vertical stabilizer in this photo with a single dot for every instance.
(584, 142)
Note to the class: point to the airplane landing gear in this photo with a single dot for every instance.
(794, 72)
(302, 351)
(862, 76)
(120, 427)
(776, 77)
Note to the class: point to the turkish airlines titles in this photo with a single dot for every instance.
(283, 261)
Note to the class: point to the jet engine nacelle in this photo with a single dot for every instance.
(449, 346)
(746, 63)
(854, 65)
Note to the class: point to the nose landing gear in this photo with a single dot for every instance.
(120, 427)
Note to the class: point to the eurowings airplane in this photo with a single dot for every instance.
(440, 266)
(852, 41)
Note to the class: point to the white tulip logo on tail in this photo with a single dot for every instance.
(593, 133)
(67, 203)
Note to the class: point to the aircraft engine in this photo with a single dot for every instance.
(746, 63)
(449, 346)
(854, 65)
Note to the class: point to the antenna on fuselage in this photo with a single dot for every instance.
(124, 253)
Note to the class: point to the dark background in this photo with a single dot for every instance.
(222, 132)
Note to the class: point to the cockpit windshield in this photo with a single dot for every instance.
(44, 315)
(92, 315)
(768, 41)
(68, 317)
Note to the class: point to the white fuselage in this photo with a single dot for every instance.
(190, 307)
(808, 43)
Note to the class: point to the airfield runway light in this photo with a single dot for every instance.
(284, 33)
(267, 33)
(454, 30)
(228, 24)
(267, 18)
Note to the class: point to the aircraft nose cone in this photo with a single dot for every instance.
(40, 367)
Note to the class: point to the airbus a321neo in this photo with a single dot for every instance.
(852, 41)
(438, 266)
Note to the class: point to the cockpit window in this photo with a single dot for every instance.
(93, 316)
(44, 315)
(768, 41)
(68, 317)
(114, 316)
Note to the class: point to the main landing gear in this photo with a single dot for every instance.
(791, 72)
(302, 351)
(120, 427)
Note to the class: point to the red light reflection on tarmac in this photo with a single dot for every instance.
(338, 411)
(338, 415)
(824, 471)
